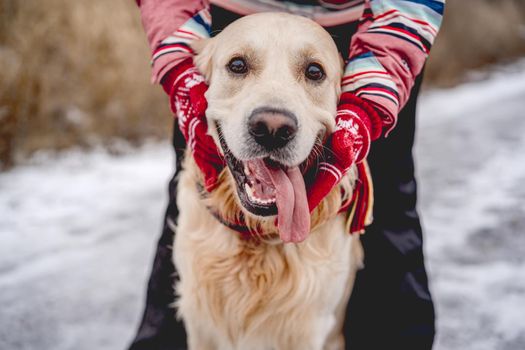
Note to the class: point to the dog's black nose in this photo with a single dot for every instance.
(272, 128)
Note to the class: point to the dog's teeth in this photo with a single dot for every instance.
(251, 195)
(247, 170)
(249, 191)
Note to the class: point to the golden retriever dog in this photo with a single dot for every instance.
(274, 82)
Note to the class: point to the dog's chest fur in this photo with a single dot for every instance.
(237, 294)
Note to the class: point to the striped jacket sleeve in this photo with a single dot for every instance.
(389, 51)
(170, 27)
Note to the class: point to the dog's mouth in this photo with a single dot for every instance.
(258, 189)
(266, 187)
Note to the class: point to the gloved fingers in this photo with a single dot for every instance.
(331, 169)
(327, 177)
(351, 128)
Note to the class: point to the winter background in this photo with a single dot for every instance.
(85, 172)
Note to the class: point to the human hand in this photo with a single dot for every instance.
(357, 123)
(186, 87)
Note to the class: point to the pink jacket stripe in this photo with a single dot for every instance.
(389, 50)
(170, 26)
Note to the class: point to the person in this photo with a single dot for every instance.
(386, 43)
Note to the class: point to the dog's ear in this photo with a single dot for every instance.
(204, 51)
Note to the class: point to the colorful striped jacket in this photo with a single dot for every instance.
(387, 52)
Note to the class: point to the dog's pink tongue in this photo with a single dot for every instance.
(293, 217)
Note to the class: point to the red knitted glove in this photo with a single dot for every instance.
(186, 88)
(357, 124)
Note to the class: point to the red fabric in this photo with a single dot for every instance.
(357, 124)
(360, 207)
(370, 115)
(186, 88)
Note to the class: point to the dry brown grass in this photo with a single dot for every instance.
(77, 72)
(476, 33)
(74, 73)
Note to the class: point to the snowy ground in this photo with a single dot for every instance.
(471, 162)
(78, 231)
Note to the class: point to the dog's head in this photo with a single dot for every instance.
(274, 82)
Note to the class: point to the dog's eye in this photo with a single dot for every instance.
(314, 72)
(238, 66)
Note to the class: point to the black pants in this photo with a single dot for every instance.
(390, 306)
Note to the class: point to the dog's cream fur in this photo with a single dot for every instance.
(263, 294)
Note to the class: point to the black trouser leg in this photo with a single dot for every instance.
(159, 328)
(391, 306)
